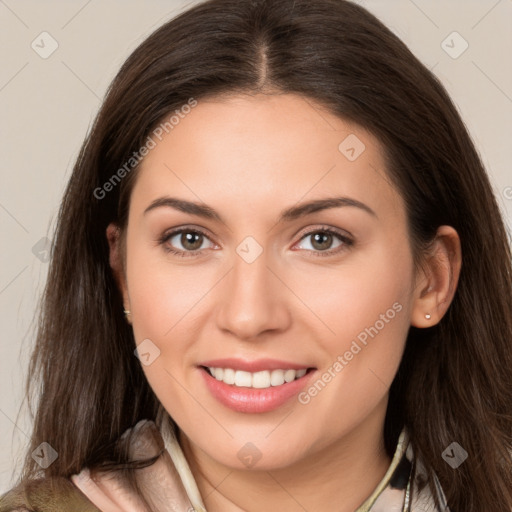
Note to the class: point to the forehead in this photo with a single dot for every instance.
(265, 149)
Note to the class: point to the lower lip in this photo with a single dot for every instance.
(252, 400)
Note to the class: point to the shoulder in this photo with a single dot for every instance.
(46, 495)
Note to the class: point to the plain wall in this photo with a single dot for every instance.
(48, 104)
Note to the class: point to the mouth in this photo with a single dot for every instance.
(269, 386)
(257, 380)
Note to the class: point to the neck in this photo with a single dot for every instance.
(338, 478)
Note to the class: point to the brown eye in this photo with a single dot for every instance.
(185, 242)
(325, 242)
(190, 240)
(321, 241)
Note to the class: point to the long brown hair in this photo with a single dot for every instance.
(455, 380)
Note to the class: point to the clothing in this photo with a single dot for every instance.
(169, 485)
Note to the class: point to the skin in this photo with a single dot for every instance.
(249, 158)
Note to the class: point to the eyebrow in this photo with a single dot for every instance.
(287, 215)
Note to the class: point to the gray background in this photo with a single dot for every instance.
(48, 104)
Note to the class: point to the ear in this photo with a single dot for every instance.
(113, 233)
(437, 281)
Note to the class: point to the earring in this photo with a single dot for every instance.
(127, 314)
(427, 316)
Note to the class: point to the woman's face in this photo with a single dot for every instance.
(293, 264)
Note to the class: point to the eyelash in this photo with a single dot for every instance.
(347, 242)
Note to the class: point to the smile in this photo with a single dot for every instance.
(254, 387)
(258, 380)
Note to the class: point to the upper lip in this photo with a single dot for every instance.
(257, 365)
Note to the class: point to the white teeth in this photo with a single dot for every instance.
(289, 375)
(258, 380)
(243, 379)
(229, 376)
(277, 377)
(261, 380)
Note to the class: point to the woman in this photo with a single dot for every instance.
(280, 281)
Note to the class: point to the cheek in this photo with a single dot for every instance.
(367, 310)
(366, 306)
(166, 300)
(368, 294)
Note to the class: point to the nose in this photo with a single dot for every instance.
(253, 301)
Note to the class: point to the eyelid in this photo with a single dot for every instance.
(344, 236)
(167, 235)
(324, 228)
